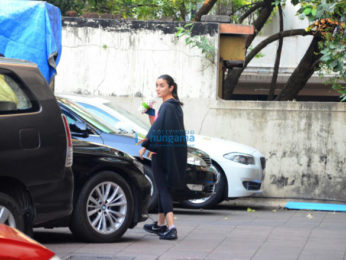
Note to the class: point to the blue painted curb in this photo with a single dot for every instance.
(315, 206)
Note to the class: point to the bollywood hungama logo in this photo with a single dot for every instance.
(168, 137)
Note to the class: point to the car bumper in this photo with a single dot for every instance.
(198, 181)
(141, 190)
(243, 180)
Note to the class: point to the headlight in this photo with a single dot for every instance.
(122, 154)
(242, 158)
(195, 160)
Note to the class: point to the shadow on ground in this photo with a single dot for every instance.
(48, 236)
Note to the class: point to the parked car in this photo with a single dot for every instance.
(14, 245)
(200, 178)
(36, 180)
(111, 192)
(240, 168)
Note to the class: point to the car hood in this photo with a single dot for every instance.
(85, 147)
(213, 146)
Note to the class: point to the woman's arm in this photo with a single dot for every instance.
(151, 113)
(156, 126)
(151, 119)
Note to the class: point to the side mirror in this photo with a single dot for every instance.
(79, 129)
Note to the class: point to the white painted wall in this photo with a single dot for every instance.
(99, 61)
(104, 62)
(303, 142)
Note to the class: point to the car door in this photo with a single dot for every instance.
(28, 122)
(80, 129)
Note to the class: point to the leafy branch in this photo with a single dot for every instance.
(328, 19)
(201, 42)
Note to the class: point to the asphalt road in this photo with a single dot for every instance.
(227, 232)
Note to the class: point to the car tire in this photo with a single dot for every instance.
(95, 219)
(154, 196)
(215, 198)
(10, 213)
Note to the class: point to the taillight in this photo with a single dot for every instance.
(69, 149)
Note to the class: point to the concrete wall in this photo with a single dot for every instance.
(304, 142)
(123, 58)
(119, 58)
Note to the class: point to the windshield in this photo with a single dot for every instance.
(128, 115)
(93, 120)
(110, 119)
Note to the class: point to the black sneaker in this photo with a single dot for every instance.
(154, 228)
(170, 234)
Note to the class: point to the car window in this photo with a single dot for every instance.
(73, 121)
(128, 115)
(70, 118)
(12, 97)
(100, 113)
(110, 119)
(87, 116)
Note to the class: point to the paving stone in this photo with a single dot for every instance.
(226, 232)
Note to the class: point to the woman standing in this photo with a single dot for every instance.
(167, 140)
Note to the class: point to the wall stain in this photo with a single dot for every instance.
(272, 154)
(310, 180)
(309, 162)
(323, 159)
(282, 181)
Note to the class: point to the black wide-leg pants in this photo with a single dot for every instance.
(165, 203)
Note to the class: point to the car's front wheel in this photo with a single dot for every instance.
(104, 208)
(213, 199)
(10, 213)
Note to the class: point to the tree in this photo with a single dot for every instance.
(278, 57)
(328, 24)
(326, 51)
(205, 9)
(176, 10)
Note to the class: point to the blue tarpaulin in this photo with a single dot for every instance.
(31, 30)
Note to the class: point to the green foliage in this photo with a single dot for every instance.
(67, 5)
(279, 2)
(201, 42)
(138, 9)
(328, 18)
(258, 55)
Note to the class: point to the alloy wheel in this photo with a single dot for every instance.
(106, 207)
(6, 217)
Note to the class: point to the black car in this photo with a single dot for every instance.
(199, 181)
(111, 193)
(199, 176)
(36, 180)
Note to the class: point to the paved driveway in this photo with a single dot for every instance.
(228, 232)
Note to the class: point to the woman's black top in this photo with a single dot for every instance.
(167, 138)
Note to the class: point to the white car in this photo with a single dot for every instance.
(240, 168)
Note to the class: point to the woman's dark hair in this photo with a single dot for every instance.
(170, 81)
